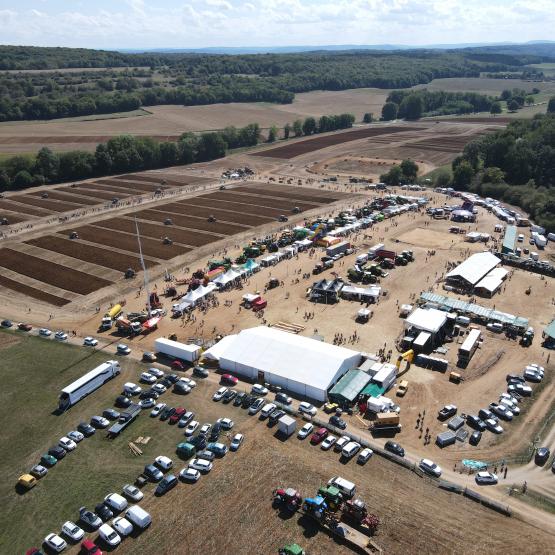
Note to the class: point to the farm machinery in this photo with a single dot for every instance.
(287, 498)
(291, 549)
(223, 263)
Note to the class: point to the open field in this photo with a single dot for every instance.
(415, 516)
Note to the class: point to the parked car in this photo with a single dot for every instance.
(24, 327)
(72, 531)
(6, 324)
(521, 389)
(132, 492)
(225, 423)
(198, 442)
(493, 426)
(111, 414)
(215, 431)
(283, 398)
(55, 543)
(305, 431)
(341, 442)
(156, 372)
(123, 349)
(45, 332)
(181, 387)
(205, 428)
(163, 463)
(177, 414)
(185, 419)
(229, 395)
(99, 422)
(501, 411)
(446, 412)
(76, 436)
(248, 400)
(364, 456)
(484, 478)
(90, 342)
(147, 403)
(60, 336)
(109, 535)
(153, 473)
(394, 448)
(485, 414)
(86, 429)
(338, 422)
(189, 475)
(157, 410)
(167, 483)
(57, 452)
(89, 518)
(200, 372)
(103, 511)
(258, 389)
(48, 460)
(515, 409)
(122, 401)
(39, 471)
(307, 408)
(256, 406)
(275, 415)
(350, 450)
(131, 389)
(219, 394)
(533, 376)
(229, 379)
(328, 442)
(67, 444)
(149, 356)
(475, 437)
(191, 428)
(148, 378)
(122, 526)
(166, 413)
(88, 547)
(236, 442)
(541, 456)
(201, 465)
(116, 502)
(430, 467)
(177, 365)
(475, 422)
(318, 436)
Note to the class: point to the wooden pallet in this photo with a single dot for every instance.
(289, 327)
(134, 449)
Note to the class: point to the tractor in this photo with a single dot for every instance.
(316, 507)
(287, 498)
(291, 549)
(332, 496)
(273, 283)
(154, 300)
(224, 262)
(167, 241)
(74, 235)
(129, 273)
(356, 511)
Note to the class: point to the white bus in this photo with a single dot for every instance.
(469, 346)
(88, 383)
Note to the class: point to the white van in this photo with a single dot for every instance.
(463, 320)
(362, 258)
(344, 486)
(267, 410)
(350, 450)
(116, 501)
(534, 256)
(138, 516)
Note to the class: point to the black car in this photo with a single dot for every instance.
(89, 518)
(86, 429)
(199, 442)
(168, 482)
(337, 422)
(206, 455)
(239, 399)
(248, 400)
(166, 413)
(394, 448)
(514, 378)
(215, 432)
(475, 437)
(542, 454)
(57, 452)
(149, 394)
(153, 473)
(485, 414)
(172, 378)
(282, 398)
(475, 422)
(103, 511)
(166, 383)
(200, 372)
(229, 395)
(123, 402)
(110, 414)
(446, 412)
(275, 416)
(6, 324)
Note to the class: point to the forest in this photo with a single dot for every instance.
(151, 79)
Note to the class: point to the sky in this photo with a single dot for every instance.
(114, 24)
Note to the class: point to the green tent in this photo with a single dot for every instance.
(347, 389)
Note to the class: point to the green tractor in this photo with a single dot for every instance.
(332, 496)
(225, 262)
(367, 277)
(354, 275)
(251, 252)
(241, 259)
(291, 549)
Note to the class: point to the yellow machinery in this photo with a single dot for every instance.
(408, 356)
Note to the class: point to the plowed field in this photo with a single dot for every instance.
(310, 145)
(100, 194)
(67, 197)
(54, 205)
(170, 178)
(235, 207)
(12, 218)
(88, 253)
(158, 232)
(185, 208)
(139, 187)
(151, 247)
(286, 192)
(22, 209)
(54, 274)
(32, 292)
(258, 200)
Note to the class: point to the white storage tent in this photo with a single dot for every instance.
(300, 365)
(474, 268)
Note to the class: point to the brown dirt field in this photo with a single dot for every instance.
(290, 192)
(13, 218)
(298, 148)
(22, 209)
(189, 221)
(54, 205)
(235, 207)
(151, 247)
(97, 191)
(357, 166)
(158, 232)
(138, 186)
(32, 292)
(157, 178)
(232, 216)
(66, 196)
(88, 253)
(261, 200)
(54, 274)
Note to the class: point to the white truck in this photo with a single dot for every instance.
(287, 425)
(177, 351)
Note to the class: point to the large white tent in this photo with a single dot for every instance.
(429, 320)
(300, 365)
(474, 268)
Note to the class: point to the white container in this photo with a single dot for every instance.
(138, 516)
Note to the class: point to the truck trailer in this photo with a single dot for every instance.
(109, 318)
(177, 351)
(338, 248)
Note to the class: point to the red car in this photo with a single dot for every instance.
(88, 547)
(318, 436)
(260, 304)
(229, 379)
(179, 412)
(177, 365)
(25, 327)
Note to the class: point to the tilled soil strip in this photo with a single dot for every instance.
(32, 292)
(55, 194)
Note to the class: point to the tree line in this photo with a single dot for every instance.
(515, 165)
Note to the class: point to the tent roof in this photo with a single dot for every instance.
(215, 352)
(428, 319)
(550, 329)
(473, 269)
(290, 356)
(373, 390)
(351, 384)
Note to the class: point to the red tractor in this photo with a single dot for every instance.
(288, 498)
(356, 511)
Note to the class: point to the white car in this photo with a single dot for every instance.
(156, 372)
(365, 455)
(205, 428)
(164, 463)
(90, 342)
(341, 442)
(159, 388)
(45, 332)
(226, 423)
(72, 531)
(510, 405)
(60, 336)
(189, 474)
(493, 426)
(307, 408)
(54, 542)
(148, 378)
(219, 394)
(132, 492)
(508, 397)
(430, 467)
(109, 535)
(328, 442)
(484, 478)
(75, 436)
(157, 409)
(305, 431)
(123, 349)
(191, 428)
(147, 403)
(116, 502)
(67, 443)
(258, 389)
(122, 526)
(131, 389)
(236, 442)
(188, 381)
(201, 464)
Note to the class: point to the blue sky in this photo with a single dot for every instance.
(204, 23)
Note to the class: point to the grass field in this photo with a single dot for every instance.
(228, 511)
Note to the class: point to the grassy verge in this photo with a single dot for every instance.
(536, 500)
